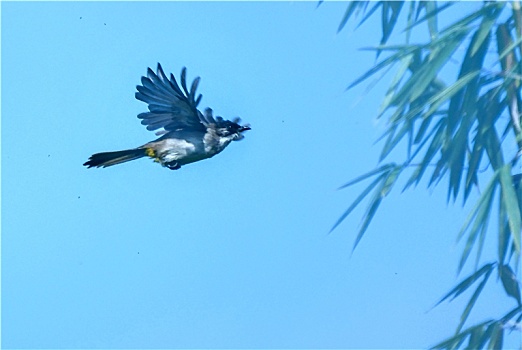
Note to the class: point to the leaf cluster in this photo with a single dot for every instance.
(465, 130)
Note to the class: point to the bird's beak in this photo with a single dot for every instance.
(244, 128)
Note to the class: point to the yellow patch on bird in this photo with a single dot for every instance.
(152, 153)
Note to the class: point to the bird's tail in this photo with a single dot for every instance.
(106, 159)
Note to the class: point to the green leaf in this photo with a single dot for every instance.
(509, 49)
(379, 194)
(381, 169)
(369, 13)
(456, 341)
(390, 60)
(403, 68)
(475, 337)
(368, 216)
(464, 285)
(431, 7)
(473, 165)
(434, 147)
(497, 337)
(492, 144)
(397, 48)
(393, 140)
(510, 283)
(473, 300)
(486, 336)
(389, 20)
(390, 180)
(463, 109)
(503, 236)
(410, 20)
(481, 239)
(442, 97)
(422, 78)
(429, 14)
(358, 200)
(511, 314)
(481, 205)
(472, 17)
(488, 108)
(455, 153)
(462, 113)
(352, 7)
(484, 30)
(422, 129)
(509, 197)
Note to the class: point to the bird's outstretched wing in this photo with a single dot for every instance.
(170, 108)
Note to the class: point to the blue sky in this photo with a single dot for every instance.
(232, 251)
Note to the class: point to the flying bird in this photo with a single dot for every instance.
(186, 134)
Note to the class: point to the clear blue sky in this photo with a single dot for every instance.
(231, 251)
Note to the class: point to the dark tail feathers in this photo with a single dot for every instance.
(106, 159)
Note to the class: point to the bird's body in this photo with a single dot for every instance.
(187, 135)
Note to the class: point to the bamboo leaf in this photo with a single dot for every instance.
(481, 239)
(429, 14)
(503, 236)
(482, 202)
(474, 163)
(422, 130)
(434, 147)
(389, 20)
(510, 283)
(480, 225)
(464, 285)
(463, 108)
(509, 197)
(492, 144)
(484, 30)
(508, 50)
(473, 300)
(390, 60)
(464, 22)
(368, 216)
(475, 337)
(511, 314)
(456, 153)
(497, 337)
(488, 110)
(390, 180)
(431, 7)
(381, 169)
(394, 48)
(410, 20)
(442, 97)
(358, 201)
(379, 194)
(486, 336)
(352, 7)
(456, 341)
(393, 140)
(421, 79)
(369, 13)
(403, 68)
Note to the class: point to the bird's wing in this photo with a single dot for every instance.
(170, 108)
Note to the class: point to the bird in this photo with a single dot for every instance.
(186, 134)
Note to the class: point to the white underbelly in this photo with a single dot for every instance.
(169, 150)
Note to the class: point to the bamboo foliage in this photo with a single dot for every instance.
(467, 131)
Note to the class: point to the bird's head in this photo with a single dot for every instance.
(231, 129)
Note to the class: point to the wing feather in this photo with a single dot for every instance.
(170, 107)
